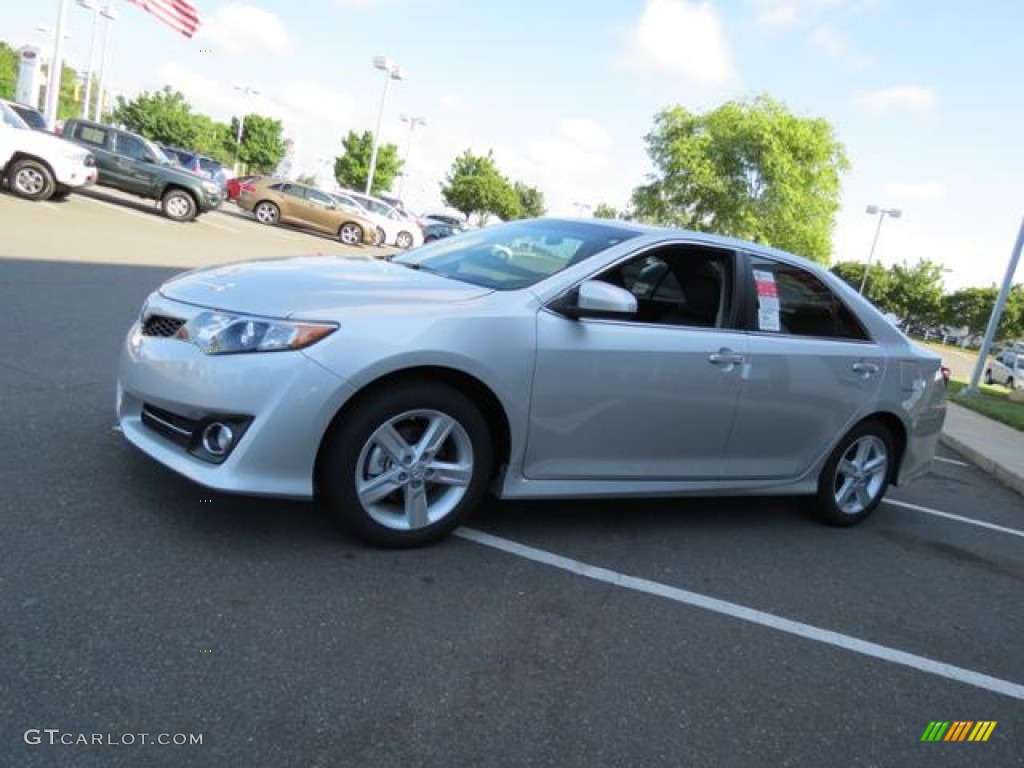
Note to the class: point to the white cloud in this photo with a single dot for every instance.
(779, 14)
(928, 190)
(679, 38)
(825, 38)
(908, 98)
(238, 28)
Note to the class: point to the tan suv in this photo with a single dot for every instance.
(273, 201)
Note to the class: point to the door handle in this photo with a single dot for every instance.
(725, 357)
(865, 369)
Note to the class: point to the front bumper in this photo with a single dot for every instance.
(286, 400)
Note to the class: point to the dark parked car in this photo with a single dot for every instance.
(438, 229)
(134, 164)
(198, 164)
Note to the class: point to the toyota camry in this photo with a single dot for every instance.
(546, 358)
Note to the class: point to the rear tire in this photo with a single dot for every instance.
(379, 237)
(856, 475)
(178, 205)
(267, 213)
(404, 240)
(988, 377)
(31, 179)
(408, 465)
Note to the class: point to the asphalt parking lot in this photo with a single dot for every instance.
(704, 632)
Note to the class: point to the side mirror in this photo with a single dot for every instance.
(595, 298)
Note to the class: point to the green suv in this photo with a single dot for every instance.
(134, 164)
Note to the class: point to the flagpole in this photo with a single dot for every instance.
(56, 66)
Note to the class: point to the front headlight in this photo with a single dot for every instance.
(221, 333)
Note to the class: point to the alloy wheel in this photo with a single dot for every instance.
(861, 474)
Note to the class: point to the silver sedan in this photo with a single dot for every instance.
(537, 359)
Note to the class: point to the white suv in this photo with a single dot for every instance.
(40, 166)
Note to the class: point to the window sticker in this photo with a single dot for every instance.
(767, 301)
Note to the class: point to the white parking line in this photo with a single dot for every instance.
(950, 516)
(952, 461)
(123, 209)
(751, 615)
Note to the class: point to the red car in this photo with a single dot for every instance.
(242, 183)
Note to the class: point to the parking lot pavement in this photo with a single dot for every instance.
(704, 632)
(105, 226)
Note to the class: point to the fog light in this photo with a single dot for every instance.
(217, 438)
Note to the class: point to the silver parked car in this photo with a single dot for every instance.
(538, 359)
(1007, 369)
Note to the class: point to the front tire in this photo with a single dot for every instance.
(856, 475)
(267, 213)
(178, 205)
(408, 465)
(31, 179)
(350, 233)
(379, 237)
(404, 240)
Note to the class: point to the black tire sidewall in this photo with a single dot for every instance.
(345, 441)
(824, 502)
(47, 190)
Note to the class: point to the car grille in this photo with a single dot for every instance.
(161, 326)
(176, 428)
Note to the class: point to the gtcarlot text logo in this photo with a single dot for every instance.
(57, 737)
(958, 730)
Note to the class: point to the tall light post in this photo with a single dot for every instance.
(581, 207)
(110, 14)
(413, 122)
(391, 72)
(56, 66)
(246, 91)
(94, 6)
(881, 213)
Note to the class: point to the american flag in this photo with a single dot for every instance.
(180, 15)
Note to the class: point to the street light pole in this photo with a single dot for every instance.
(56, 66)
(413, 122)
(882, 213)
(997, 313)
(245, 91)
(94, 6)
(110, 14)
(391, 72)
(581, 207)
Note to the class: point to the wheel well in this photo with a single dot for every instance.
(179, 188)
(899, 436)
(25, 156)
(479, 393)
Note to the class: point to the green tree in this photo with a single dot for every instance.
(877, 287)
(915, 293)
(262, 146)
(749, 169)
(162, 116)
(475, 185)
(9, 59)
(605, 211)
(970, 308)
(306, 178)
(531, 201)
(353, 166)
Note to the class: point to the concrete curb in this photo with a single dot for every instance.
(1008, 477)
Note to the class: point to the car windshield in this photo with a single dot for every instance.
(11, 118)
(158, 153)
(515, 255)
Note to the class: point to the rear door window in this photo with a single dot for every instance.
(90, 134)
(792, 301)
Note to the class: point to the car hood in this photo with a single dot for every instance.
(44, 144)
(313, 284)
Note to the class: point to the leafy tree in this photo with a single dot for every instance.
(262, 146)
(877, 287)
(475, 185)
(605, 211)
(306, 178)
(531, 201)
(353, 166)
(162, 116)
(915, 293)
(970, 307)
(749, 169)
(8, 71)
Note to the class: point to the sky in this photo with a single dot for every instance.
(924, 94)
